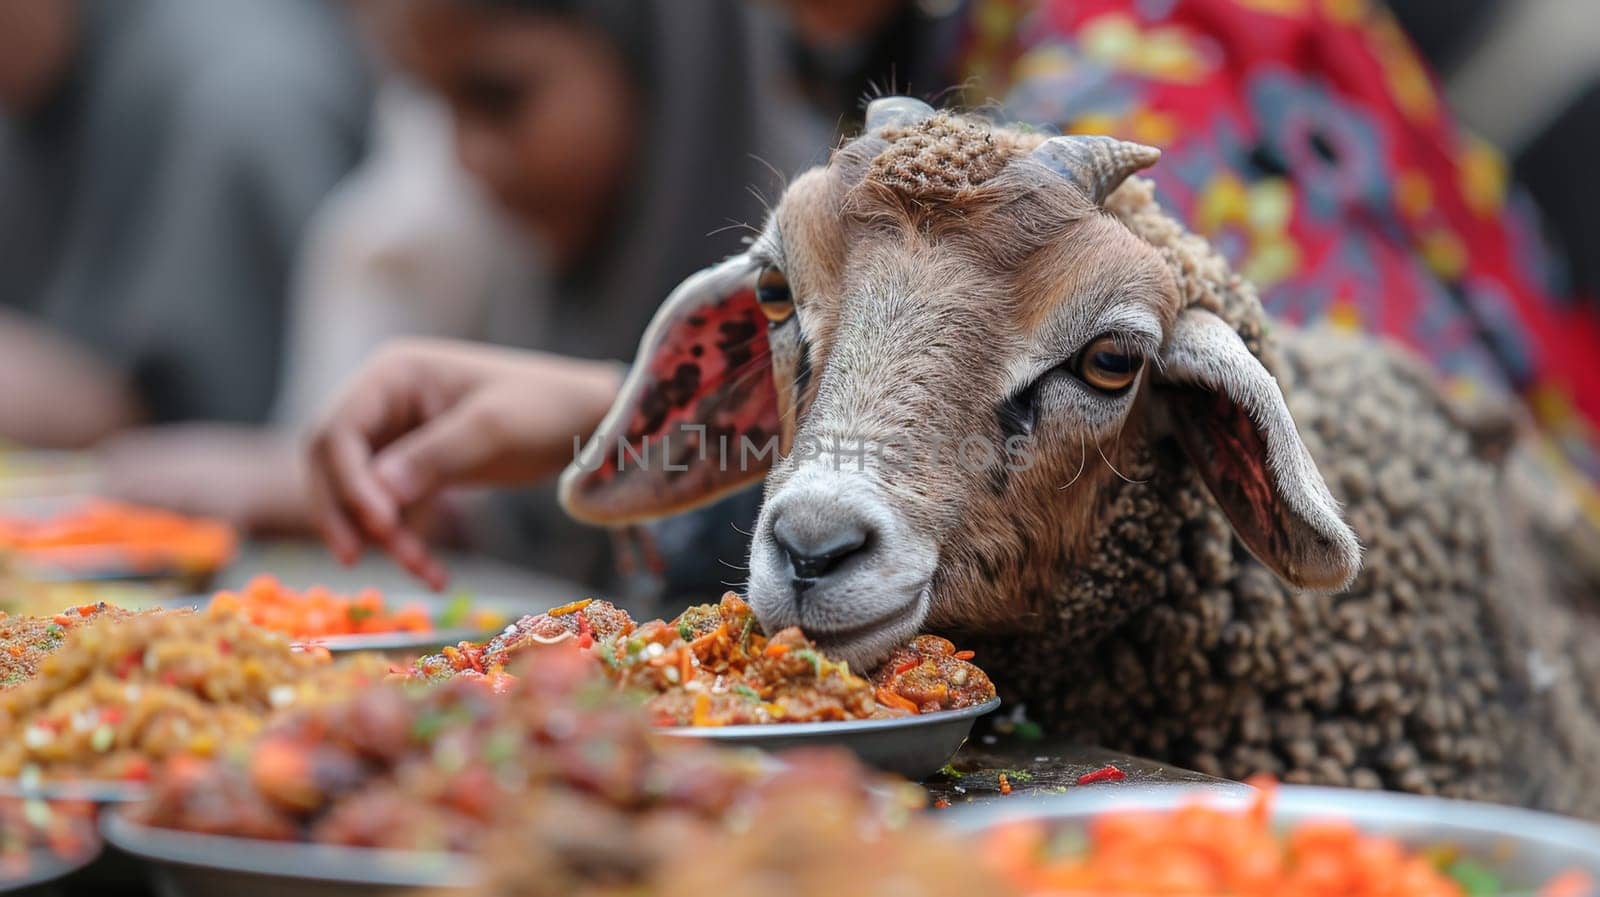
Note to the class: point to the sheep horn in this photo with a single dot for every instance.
(896, 111)
(1097, 165)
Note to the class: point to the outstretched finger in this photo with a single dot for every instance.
(328, 515)
(411, 551)
(349, 461)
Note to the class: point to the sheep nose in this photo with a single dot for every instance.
(817, 549)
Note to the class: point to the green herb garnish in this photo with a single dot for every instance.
(814, 657)
(455, 613)
(1474, 878)
(427, 726)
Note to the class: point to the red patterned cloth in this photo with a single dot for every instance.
(1307, 140)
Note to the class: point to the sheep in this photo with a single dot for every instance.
(1160, 544)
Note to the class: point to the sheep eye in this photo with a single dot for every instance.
(1108, 367)
(772, 294)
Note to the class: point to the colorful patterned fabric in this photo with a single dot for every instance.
(1308, 141)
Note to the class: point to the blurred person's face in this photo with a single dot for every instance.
(825, 23)
(36, 42)
(544, 110)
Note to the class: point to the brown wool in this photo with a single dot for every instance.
(1174, 643)
(938, 157)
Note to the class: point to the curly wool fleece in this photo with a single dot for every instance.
(1451, 666)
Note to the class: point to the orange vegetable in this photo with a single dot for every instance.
(704, 642)
(317, 612)
(104, 534)
(1572, 883)
(1204, 850)
(572, 608)
(892, 699)
(702, 710)
(282, 771)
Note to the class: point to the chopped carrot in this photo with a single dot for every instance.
(318, 612)
(965, 655)
(702, 709)
(104, 534)
(704, 642)
(891, 699)
(1571, 883)
(776, 650)
(571, 608)
(1204, 850)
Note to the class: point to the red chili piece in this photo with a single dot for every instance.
(1107, 773)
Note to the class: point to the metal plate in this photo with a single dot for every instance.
(185, 864)
(46, 867)
(1524, 848)
(912, 746)
(98, 791)
(510, 609)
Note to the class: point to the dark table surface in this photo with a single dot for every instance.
(1033, 765)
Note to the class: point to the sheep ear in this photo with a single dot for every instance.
(698, 415)
(1230, 418)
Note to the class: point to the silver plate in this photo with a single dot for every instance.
(98, 791)
(186, 864)
(511, 609)
(1524, 848)
(44, 868)
(912, 746)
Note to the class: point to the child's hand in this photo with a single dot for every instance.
(424, 415)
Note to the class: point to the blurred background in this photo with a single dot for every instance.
(213, 212)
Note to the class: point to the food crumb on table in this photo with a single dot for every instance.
(1107, 773)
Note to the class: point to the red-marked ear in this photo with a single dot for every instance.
(1233, 424)
(697, 417)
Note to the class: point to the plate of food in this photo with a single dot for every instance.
(111, 540)
(397, 785)
(43, 842)
(711, 673)
(1114, 840)
(366, 620)
(187, 863)
(116, 694)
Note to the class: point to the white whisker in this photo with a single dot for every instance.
(1113, 467)
(1083, 459)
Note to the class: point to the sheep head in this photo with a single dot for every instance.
(938, 352)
